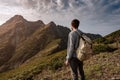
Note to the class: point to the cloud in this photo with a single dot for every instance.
(9, 3)
(95, 15)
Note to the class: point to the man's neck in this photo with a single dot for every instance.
(74, 29)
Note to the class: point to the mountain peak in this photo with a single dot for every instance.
(18, 17)
(51, 24)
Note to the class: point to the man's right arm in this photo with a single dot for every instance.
(70, 47)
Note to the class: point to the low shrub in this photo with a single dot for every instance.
(102, 48)
(104, 41)
(108, 41)
(56, 64)
(99, 40)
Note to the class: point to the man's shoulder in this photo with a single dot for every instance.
(80, 31)
(74, 32)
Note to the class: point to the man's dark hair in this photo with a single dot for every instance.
(75, 23)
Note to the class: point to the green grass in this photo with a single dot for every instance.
(35, 66)
(53, 43)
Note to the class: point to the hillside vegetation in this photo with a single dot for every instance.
(103, 66)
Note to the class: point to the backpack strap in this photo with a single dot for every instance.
(82, 36)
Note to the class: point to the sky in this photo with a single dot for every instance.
(96, 16)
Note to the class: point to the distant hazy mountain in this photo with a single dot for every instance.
(93, 36)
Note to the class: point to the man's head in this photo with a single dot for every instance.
(75, 23)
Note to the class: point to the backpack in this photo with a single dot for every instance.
(84, 50)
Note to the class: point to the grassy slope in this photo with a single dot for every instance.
(115, 34)
(103, 66)
(36, 64)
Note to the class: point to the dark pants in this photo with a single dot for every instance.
(76, 66)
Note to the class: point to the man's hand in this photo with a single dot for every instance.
(66, 62)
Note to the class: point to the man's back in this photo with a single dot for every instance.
(73, 43)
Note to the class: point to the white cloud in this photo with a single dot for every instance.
(95, 15)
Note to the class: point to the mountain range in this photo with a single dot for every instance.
(29, 48)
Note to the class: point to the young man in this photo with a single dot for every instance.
(71, 59)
